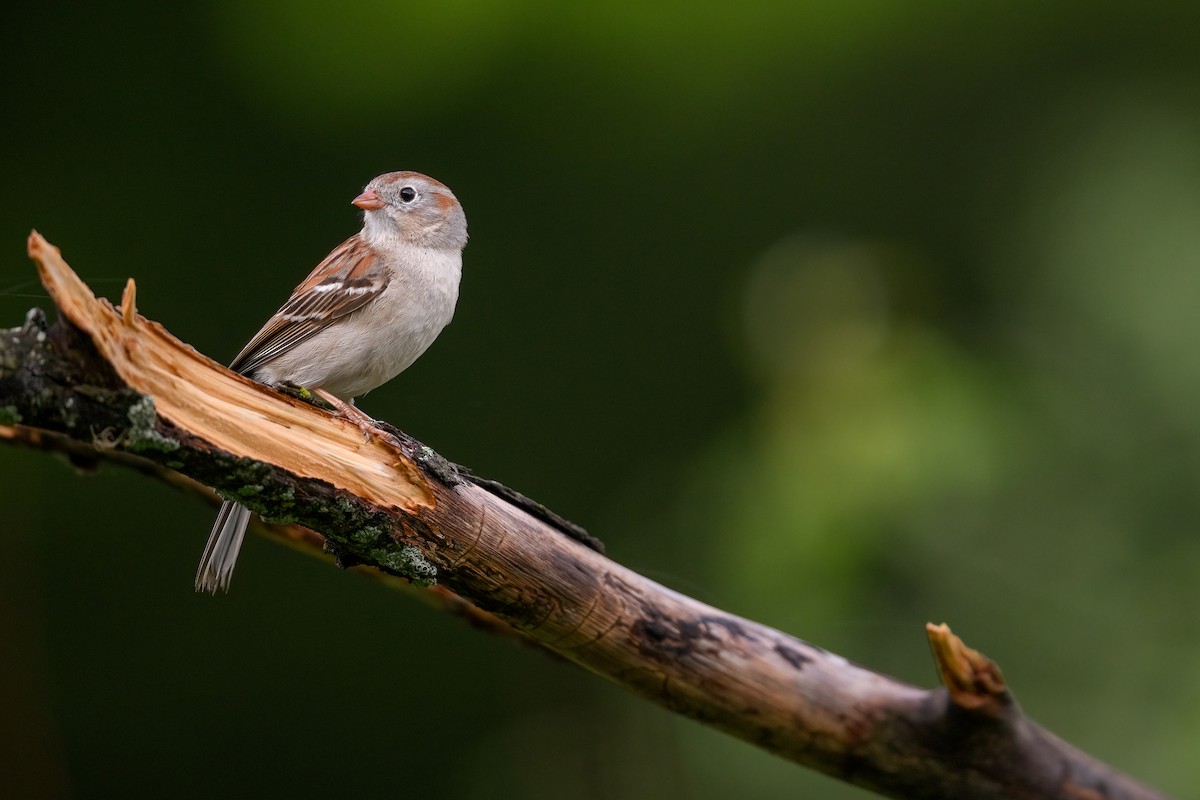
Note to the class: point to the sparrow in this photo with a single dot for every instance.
(362, 317)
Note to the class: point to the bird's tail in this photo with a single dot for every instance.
(221, 551)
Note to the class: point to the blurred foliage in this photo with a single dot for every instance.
(843, 316)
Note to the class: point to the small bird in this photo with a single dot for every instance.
(362, 317)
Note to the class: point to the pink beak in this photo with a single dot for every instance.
(368, 201)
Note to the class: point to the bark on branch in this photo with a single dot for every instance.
(105, 382)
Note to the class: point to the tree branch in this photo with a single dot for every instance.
(106, 383)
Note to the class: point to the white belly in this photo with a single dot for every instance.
(374, 344)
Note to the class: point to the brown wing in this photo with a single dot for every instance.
(349, 278)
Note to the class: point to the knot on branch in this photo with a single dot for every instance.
(972, 679)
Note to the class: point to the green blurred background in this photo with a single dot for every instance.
(844, 316)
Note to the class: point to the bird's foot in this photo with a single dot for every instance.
(348, 412)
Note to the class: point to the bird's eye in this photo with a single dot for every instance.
(408, 194)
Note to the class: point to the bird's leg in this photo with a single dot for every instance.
(348, 412)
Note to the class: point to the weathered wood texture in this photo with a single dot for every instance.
(115, 383)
